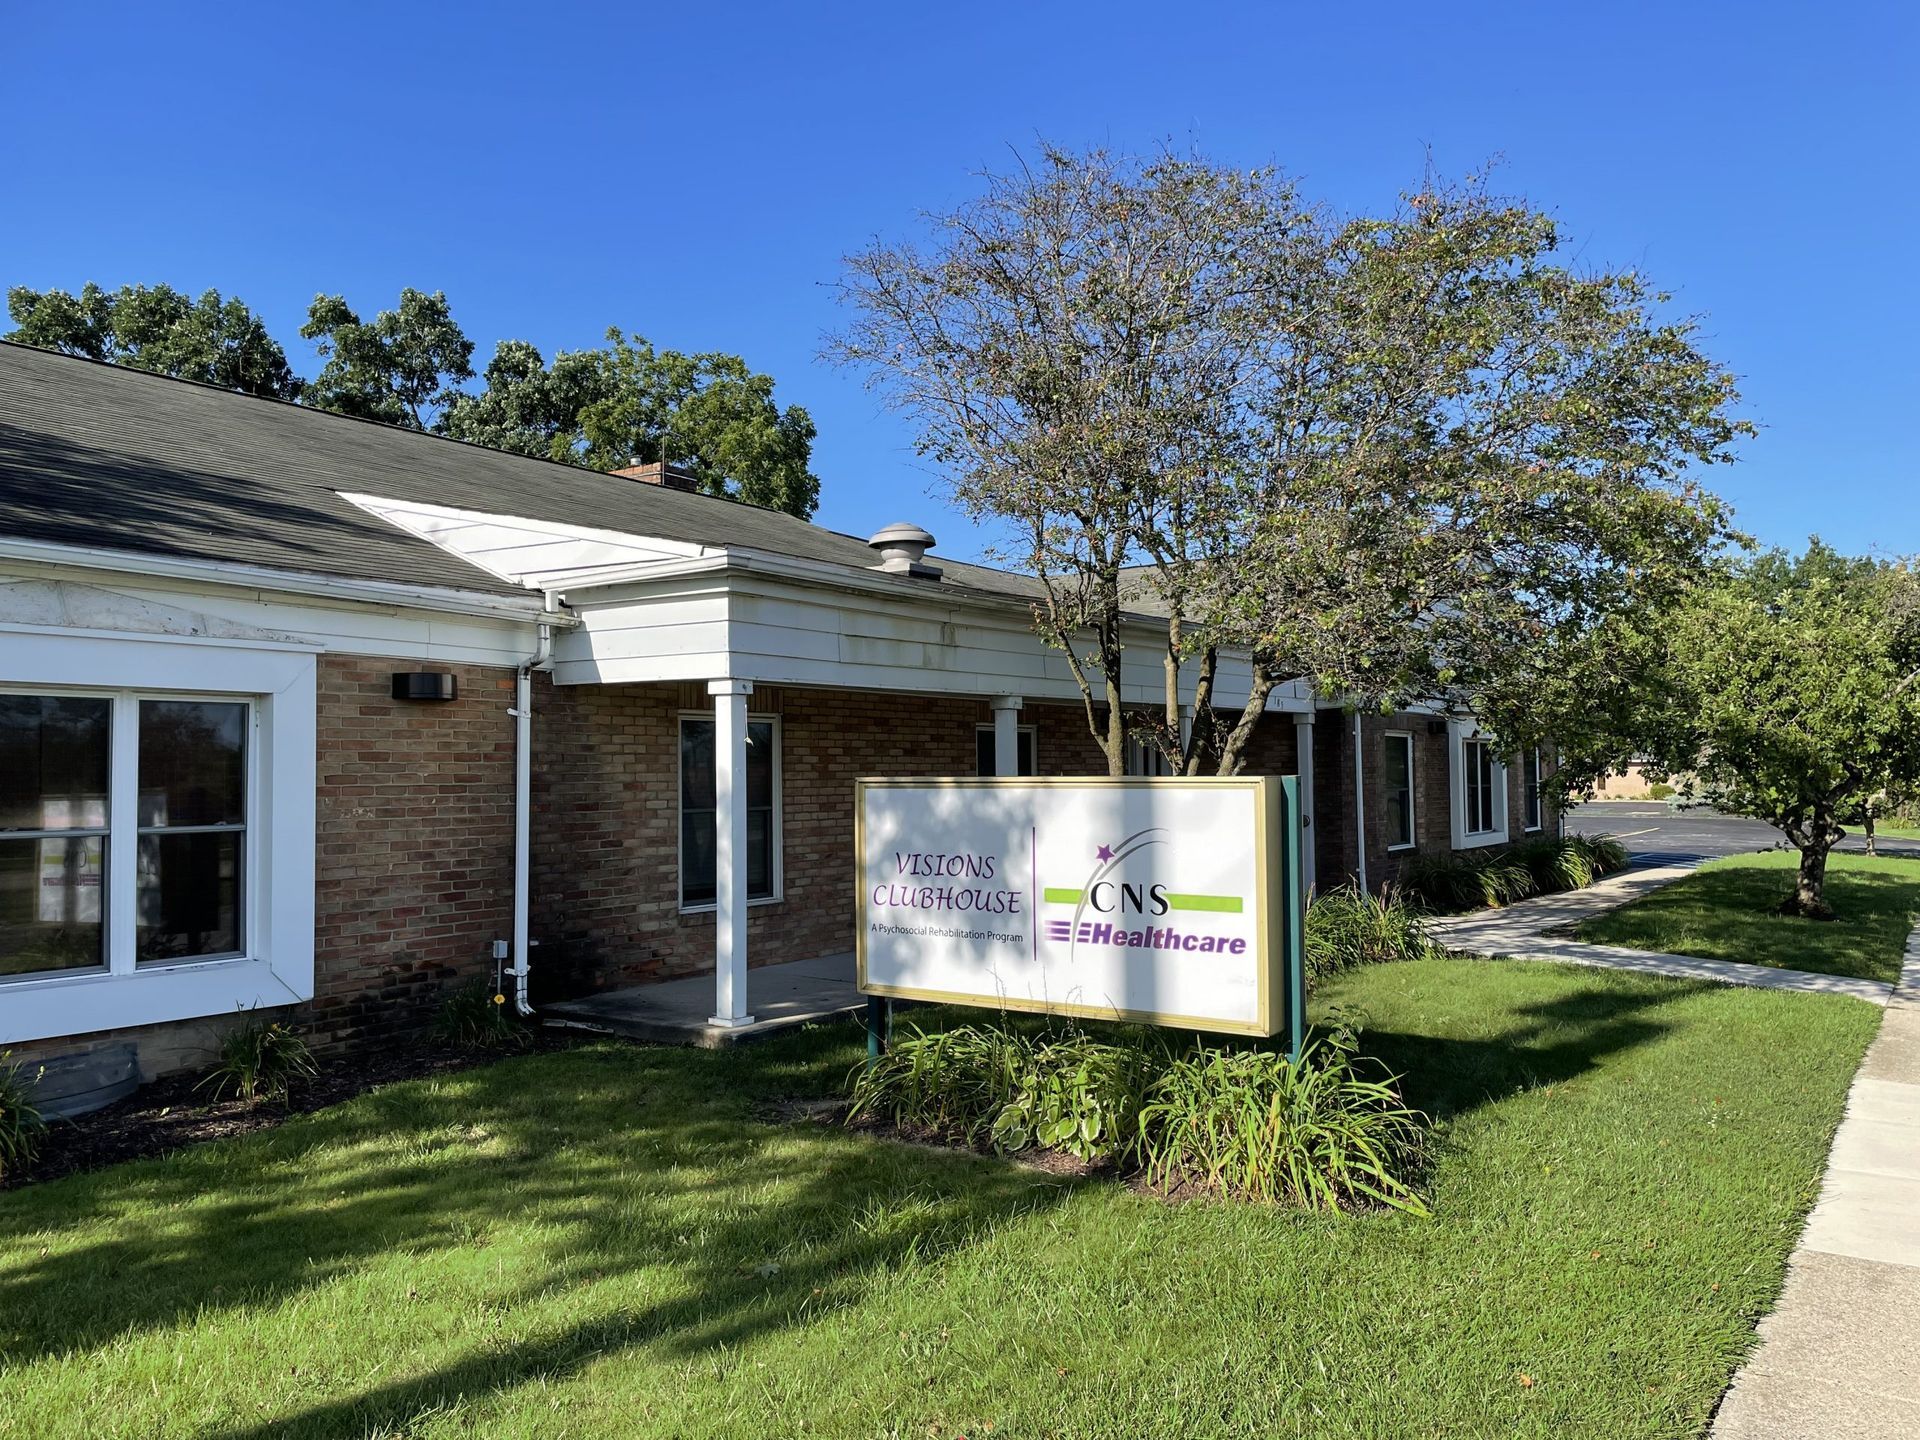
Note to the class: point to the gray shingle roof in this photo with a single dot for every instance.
(95, 454)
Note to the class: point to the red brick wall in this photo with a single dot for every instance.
(414, 868)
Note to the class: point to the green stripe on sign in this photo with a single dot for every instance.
(1230, 904)
(1060, 897)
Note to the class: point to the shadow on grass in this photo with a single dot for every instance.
(1559, 1040)
(625, 1161)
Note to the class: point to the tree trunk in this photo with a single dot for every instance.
(1871, 848)
(1809, 899)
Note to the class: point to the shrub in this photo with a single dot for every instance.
(1346, 928)
(474, 1016)
(1252, 1125)
(1240, 1122)
(1077, 1095)
(21, 1126)
(1554, 864)
(1660, 790)
(1604, 854)
(953, 1082)
(259, 1058)
(1456, 880)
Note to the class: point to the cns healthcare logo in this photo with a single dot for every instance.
(1134, 916)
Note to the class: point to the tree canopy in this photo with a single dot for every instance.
(625, 403)
(214, 340)
(1396, 456)
(401, 367)
(630, 404)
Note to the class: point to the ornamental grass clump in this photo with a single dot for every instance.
(1242, 1123)
(474, 1017)
(1346, 927)
(22, 1128)
(1252, 1125)
(1544, 865)
(258, 1060)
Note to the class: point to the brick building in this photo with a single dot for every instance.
(302, 711)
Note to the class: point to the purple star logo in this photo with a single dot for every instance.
(1105, 853)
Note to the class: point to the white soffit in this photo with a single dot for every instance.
(536, 553)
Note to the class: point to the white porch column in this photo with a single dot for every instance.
(1303, 767)
(1006, 734)
(730, 850)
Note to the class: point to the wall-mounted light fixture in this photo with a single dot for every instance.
(425, 685)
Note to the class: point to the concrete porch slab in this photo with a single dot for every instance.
(676, 1012)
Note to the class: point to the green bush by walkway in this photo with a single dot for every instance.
(636, 1242)
(1728, 909)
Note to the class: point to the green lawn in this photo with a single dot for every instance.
(1726, 910)
(628, 1241)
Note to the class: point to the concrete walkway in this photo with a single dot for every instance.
(1536, 930)
(676, 1012)
(1839, 1357)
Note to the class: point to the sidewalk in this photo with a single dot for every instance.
(1839, 1357)
(1525, 931)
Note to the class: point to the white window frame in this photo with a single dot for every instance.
(1032, 732)
(278, 683)
(1413, 792)
(778, 858)
(1532, 802)
(1460, 734)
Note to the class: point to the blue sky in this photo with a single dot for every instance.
(694, 173)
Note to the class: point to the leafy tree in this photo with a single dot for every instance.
(629, 404)
(400, 367)
(1398, 456)
(212, 340)
(1789, 689)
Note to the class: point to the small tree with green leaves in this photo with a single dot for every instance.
(1789, 690)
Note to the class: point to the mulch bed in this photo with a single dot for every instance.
(171, 1114)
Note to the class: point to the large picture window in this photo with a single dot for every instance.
(698, 868)
(86, 780)
(1399, 788)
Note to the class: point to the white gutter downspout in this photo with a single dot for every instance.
(541, 659)
(1359, 810)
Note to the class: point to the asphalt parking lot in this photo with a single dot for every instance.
(1658, 834)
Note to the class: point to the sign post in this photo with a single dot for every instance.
(1172, 901)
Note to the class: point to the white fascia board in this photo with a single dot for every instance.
(390, 594)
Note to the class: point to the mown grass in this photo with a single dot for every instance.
(624, 1241)
(1728, 910)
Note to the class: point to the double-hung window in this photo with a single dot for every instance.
(1399, 788)
(1477, 758)
(119, 799)
(1535, 817)
(698, 837)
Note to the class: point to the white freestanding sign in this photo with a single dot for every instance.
(1153, 899)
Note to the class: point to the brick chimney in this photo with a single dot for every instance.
(658, 472)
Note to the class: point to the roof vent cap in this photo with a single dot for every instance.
(902, 547)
